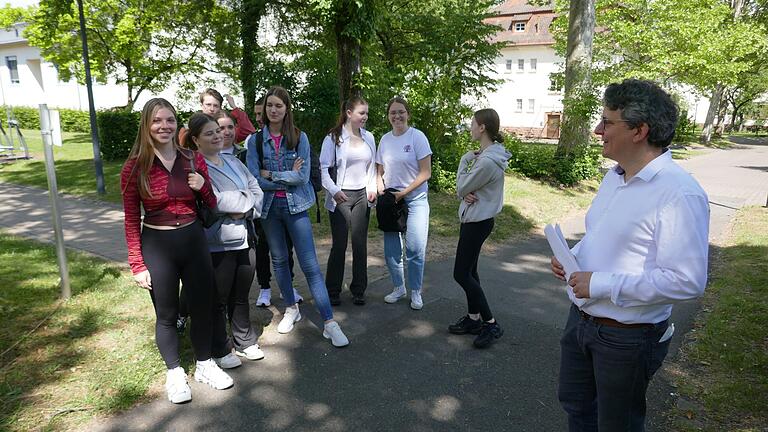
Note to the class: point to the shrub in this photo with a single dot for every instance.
(28, 117)
(540, 161)
(685, 129)
(581, 164)
(533, 160)
(71, 120)
(117, 132)
(75, 120)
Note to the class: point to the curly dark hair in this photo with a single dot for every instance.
(642, 101)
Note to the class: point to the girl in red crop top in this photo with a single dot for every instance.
(171, 247)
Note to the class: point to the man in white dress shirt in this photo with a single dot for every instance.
(645, 248)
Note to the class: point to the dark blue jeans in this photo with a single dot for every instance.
(605, 371)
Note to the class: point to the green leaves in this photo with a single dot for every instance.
(141, 43)
(696, 42)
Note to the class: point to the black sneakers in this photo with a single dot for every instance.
(466, 325)
(489, 333)
(358, 299)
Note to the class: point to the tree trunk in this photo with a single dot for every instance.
(251, 12)
(578, 63)
(348, 63)
(714, 107)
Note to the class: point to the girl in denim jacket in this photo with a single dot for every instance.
(283, 175)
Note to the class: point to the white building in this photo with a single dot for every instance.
(527, 102)
(28, 80)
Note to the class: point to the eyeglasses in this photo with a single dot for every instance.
(402, 112)
(604, 122)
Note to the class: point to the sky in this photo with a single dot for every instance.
(19, 2)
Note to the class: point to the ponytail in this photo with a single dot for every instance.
(348, 105)
(489, 118)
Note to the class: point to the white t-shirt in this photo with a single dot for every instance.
(358, 159)
(400, 156)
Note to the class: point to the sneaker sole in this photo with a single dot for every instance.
(243, 355)
(393, 301)
(263, 304)
(416, 307)
(462, 332)
(184, 398)
(227, 367)
(207, 381)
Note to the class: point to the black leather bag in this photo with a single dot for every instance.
(332, 169)
(207, 215)
(392, 216)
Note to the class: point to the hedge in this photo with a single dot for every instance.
(117, 132)
(29, 118)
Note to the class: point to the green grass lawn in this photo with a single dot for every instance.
(93, 355)
(75, 171)
(725, 368)
(528, 203)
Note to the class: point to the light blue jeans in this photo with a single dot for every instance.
(299, 228)
(415, 245)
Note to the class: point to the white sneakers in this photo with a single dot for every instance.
(333, 332)
(208, 372)
(176, 386)
(265, 298)
(229, 361)
(291, 316)
(416, 302)
(252, 352)
(395, 295)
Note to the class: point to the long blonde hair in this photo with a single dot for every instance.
(143, 150)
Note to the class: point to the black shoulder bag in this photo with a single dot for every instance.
(207, 215)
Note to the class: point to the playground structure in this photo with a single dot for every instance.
(12, 143)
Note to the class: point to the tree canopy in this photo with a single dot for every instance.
(144, 44)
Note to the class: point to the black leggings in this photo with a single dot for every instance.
(234, 274)
(351, 215)
(172, 256)
(471, 238)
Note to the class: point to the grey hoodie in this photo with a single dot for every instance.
(482, 174)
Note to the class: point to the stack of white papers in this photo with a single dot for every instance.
(562, 252)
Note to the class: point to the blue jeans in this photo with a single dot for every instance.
(278, 221)
(605, 371)
(415, 245)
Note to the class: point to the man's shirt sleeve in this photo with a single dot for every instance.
(682, 247)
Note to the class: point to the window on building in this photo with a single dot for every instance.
(533, 64)
(519, 106)
(531, 104)
(519, 26)
(13, 68)
(509, 65)
(521, 64)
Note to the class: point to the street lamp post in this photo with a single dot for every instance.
(91, 108)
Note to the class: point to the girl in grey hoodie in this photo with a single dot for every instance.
(480, 185)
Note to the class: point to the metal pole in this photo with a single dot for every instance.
(50, 170)
(91, 108)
